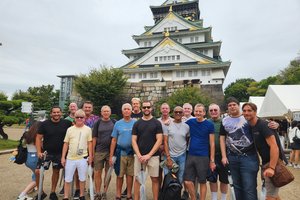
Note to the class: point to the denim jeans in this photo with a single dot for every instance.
(244, 174)
(31, 162)
(180, 160)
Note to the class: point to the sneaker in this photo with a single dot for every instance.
(97, 196)
(24, 198)
(185, 195)
(290, 165)
(53, 196)
(43, 196)
(62, 191)
(82, 198)
(124, 193)
(76, 194)
(297, 166)
(104, 197)
(198, 196)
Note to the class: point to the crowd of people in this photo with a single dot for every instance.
(203, 146)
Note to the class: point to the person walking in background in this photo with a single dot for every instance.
(215, 118)
(102, 131)
(50, 138)
(295, 153)
(77, 143)
(266, 145)
(146, 140)
(122, 148)
(32, 158)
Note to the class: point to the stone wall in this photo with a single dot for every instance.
(154, 91)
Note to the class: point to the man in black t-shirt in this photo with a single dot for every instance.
(266, 145)
(50, 138)
(146, 140)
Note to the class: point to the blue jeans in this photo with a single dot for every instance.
(180, 160)
(31, 163)
(244, 174)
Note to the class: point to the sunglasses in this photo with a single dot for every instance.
(178, 112)
(79, 117)
(213, 110)
(146, 107)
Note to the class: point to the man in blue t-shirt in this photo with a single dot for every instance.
(201, 153)
(121, 138)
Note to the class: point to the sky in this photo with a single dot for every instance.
(45, 38)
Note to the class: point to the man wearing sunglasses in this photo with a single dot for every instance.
(175, 143)
(146, 140)
(215, 118)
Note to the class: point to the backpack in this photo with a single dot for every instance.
(21, 156)
(171, 188)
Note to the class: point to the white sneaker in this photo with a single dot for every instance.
(296, 166)
(290, 165)
(25, 198)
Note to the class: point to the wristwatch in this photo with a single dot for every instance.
(212, 161)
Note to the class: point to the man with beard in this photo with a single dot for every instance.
(50, 138)
(146, 140)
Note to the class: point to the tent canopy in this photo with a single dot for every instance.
(281, 101)
(258, 101)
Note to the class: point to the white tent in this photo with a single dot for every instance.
(258, 101)
(281, 101)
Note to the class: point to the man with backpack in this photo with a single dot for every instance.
(102, 131)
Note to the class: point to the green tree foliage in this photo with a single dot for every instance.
(10, 114)
(3, 96)
(191, 95)
(291, 74)
(238, 89)
(43, 97)
(102, 86)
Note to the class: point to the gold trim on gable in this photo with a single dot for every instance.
(204, 62)
(133, 66)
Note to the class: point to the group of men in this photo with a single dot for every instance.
(138, 142)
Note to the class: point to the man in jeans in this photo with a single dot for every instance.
(175, 143)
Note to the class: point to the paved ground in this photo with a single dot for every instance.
(15, 177)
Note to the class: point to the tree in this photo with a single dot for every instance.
(3, 96)
(43, 97)
(192, 95)
(10, 114)
(238, 89)
(102, 86)
(291, 74)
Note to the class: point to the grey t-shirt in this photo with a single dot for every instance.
(177, 134)
(103, 135)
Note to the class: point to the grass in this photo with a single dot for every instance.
(8, 144)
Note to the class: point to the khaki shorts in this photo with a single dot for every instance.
(152, 166)
(272, 191)
(100, 160)
(126, 166)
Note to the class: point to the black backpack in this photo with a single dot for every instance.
(21, 156)
(171, 188)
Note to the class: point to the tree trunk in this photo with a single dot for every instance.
(4, 135)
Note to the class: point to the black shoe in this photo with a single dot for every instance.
(53, 196)
(185, 195)
(82, 198)
(124, 193)
(43, 196)
(76, 194)
(62, 191)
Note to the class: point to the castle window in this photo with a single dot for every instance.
(190, 73)
(153, 74)
(178, 57)
(140, 75)
(144, 75)
(196, 39)
(173, 57)
(180, 74)
(156, 59)
(195, 73)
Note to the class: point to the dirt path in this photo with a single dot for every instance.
(14, 178)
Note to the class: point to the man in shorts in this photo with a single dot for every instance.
(101, 146)
(121, 147)
(267, 146)
(146, 140)
(214, 113)
(77, 143)
(51, 136)
(201, 155)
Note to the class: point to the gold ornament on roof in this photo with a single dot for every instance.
(167, 34)
(171, 9)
